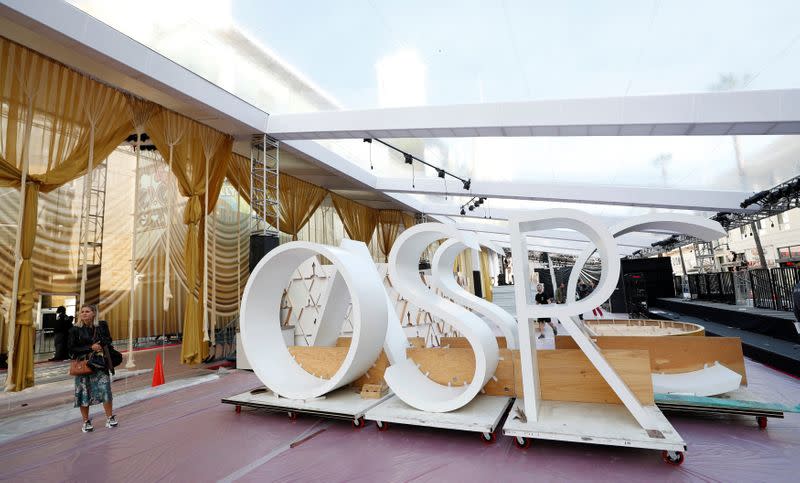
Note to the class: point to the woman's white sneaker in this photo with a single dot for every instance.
(87, 426)
(111, 421)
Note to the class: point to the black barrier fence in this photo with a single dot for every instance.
(768, 288)
(783, 281)
(714, 287)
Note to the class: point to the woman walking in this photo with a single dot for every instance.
(86, 337)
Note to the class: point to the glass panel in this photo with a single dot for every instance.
(381, 54)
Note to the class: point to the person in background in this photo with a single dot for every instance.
(542, 299)
(87, 336)
(597, 310)
(583, 291)
(61, 331)
(561, 293)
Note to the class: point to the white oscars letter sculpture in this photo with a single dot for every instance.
(404, 377)
(261, 325)
(691, 225)
(443, 279)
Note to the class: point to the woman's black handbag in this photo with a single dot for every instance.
(97, 361)
(115, 356)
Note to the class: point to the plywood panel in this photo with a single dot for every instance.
(320, 361)
(461, 342)
(414, 341)
(565, 375)
(676, 354)
(457, 366)
(325, 361)
(568, 375)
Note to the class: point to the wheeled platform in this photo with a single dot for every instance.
(607, 424)
(345, 403)
(481, 415)
(742, 402)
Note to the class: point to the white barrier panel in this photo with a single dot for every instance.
(443, 278)
(261, 325)
(404, 377)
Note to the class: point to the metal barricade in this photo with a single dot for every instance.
(783, 281)
(760, 281)
(727, 290)
(45, 342)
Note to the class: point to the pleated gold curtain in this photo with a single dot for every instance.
(54, 121)
(486, 276)
(389, 224)
(359, 221)
(298, 201)
(238, 174)
(463, 269)
(189, 167)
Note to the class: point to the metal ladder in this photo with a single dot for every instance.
(90, 250)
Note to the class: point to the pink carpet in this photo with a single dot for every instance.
(189, 435)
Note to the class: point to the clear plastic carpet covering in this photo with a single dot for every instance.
(189, 435)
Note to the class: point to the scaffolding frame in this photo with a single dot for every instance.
(264, 185)
(90, 247)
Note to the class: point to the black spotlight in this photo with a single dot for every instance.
(463, 212)
(440, 172)
(368, 140)
(409, 159)
(471, 207)
(467, 184)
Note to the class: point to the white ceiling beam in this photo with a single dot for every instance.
(700, 114)
(677, 199)
(631, 240)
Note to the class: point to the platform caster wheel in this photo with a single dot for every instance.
(674, 458)
(488, 438)
(382, 425)
(238, 409)
(521, 442)
(292, 415)
(762, 422)
(359, 423)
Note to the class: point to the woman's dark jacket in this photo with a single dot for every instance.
(81, 339)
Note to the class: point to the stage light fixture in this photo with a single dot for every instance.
(463, 212)
(368, 140)
(471, 207)
(409, 159)
(467, 184)
(440, 173)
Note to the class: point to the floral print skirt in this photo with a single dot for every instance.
(94, 388)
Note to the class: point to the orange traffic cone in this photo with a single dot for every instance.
(158, 372)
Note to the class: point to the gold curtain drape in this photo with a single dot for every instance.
(486, 277)
(238, 175)
(463, 269)
(408, 220)
(359, 221)
(389, 224)
(298, 201)
(54, 120)
(189, 167)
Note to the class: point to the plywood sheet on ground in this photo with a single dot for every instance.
(675, 354)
